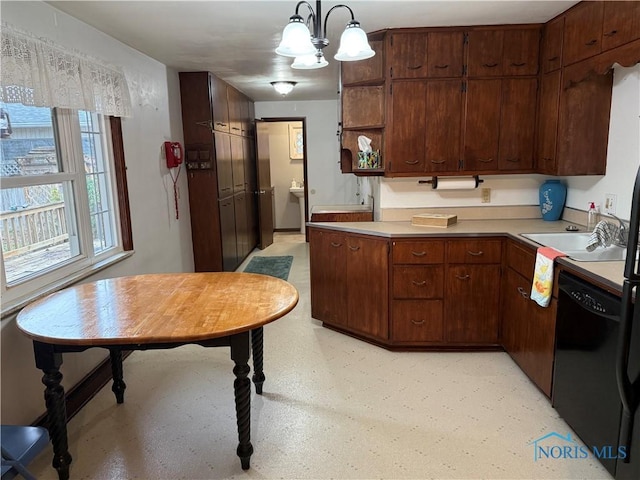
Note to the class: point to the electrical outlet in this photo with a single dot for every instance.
(486, 195)
(610, 201)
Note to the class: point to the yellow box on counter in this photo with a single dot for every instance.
(434, 220)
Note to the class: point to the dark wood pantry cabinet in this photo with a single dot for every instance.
(221, 174)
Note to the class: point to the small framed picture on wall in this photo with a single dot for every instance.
(296, 144)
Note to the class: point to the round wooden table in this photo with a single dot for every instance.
(156, 311)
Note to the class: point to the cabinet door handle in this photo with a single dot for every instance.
(334, 244)
(553, 59)
(518, 64)
(591, 42)
(417, 67)
(611, 33)
(485, 160)
(414, 162)
(437, 162)
(418, 254)
(354, 249)
(419, 284)
(513, 159)
(221, 124)
(446, 65)
(417, 322)
(475, 254)
(547, 159)
(523, 292)
(463, 277)
(489, 65)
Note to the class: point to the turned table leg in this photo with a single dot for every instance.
(242, 390)
(257, 337)
(118, 386)
(49, 362)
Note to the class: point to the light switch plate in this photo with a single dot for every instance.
(610, 201)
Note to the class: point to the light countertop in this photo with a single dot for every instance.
(609, 274)
(340, 208)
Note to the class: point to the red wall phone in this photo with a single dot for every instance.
(173, 152)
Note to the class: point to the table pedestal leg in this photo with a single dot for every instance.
(256, 345)
(118, 386)
(49, 362)
(242, 391)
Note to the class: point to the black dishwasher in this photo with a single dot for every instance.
(585, 391)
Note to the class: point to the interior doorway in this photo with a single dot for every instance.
(288, 147)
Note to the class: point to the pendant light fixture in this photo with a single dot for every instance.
(306, 46)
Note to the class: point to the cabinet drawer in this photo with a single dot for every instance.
(417, 321)
(423, 252)
(521, 259)
(418, 282)
(474, 251)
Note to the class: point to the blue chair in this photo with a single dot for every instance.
(20, 445)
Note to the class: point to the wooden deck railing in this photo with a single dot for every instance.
(33, 228)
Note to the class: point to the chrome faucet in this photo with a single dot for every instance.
(623, 234)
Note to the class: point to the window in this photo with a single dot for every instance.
(59, 211)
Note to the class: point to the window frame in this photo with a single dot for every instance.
(78, 268)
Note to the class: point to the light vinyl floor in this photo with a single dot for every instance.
(333, 408)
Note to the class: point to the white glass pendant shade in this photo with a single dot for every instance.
(354, 44)
(283, 88)
(310, 62)
(296, 39)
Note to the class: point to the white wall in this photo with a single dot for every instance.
(283, 170)
(162, 243)
(326, 184)
(623, 153)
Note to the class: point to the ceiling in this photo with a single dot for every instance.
(236, 39)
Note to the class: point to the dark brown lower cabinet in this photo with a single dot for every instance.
(417, 321)
(328, 265)
(472, 298)
(368, 280)
(528, 330)
(349, 278)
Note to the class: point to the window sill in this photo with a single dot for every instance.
(14, 306)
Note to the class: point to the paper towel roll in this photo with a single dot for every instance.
(455, 184)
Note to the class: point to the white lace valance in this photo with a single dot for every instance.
(40, 73)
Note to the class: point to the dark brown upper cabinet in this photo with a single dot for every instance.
(363, 107)
(482, 125)
(408, 57)
(551, 58)
(485, 53)
(621, 23)
(426, 54)
(503, 52)
(517, 124)
(520, 52)
(366, 71)
(219, 104)
(582, 32)
(445, 56)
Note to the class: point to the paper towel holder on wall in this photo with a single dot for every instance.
(434, 181)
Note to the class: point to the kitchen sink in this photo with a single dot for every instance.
(574, 246)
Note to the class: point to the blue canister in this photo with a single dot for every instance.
(553, 194)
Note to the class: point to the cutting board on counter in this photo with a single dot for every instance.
(434, 220)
